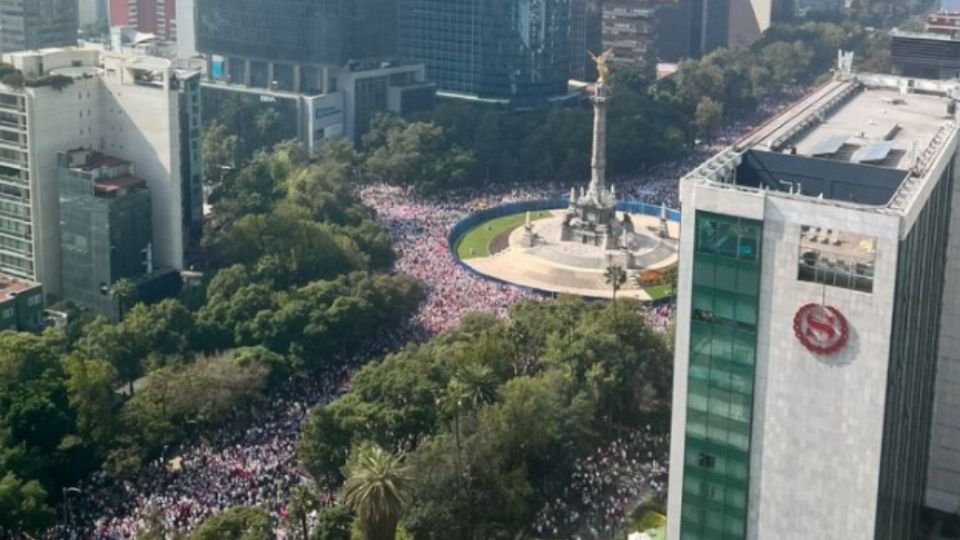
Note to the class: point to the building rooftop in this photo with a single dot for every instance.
(880, 126)
(86, 160)
(868, 140)
(111, 186)
(10, 287)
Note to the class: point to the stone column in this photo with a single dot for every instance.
(598, 161)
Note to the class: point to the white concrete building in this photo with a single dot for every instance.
(136, 108)
(812, 282)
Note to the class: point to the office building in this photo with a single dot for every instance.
(105, 228)
(291, 43)
(694, 28)
(92, 12)
(674, 30)
(326, 66)
(150, 16)
(502, 52)
(354, 94)
(21, 305)
(586, 36)
(139, 109)
(803, 6)
(186, 29)
(36, 24)
(925, 55)
(812, 283)
(630, 31)
(944, 22)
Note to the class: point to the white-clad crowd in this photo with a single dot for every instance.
(256, 465)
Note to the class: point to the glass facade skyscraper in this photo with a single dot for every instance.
(326, 32)
(509, 51)
(37, 24)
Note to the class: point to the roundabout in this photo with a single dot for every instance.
(505, 245)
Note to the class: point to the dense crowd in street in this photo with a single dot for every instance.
(605, 485)
(256, 466)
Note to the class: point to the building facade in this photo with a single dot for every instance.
(506, 52)
(186, 29)
(92, 12)
(124, 106)
(630, 30)
(812, 284)
(926, 55)
(151, 16)
(37, 24)
(290, 41)
(353, 95)
(586, 36)
(21, 305)
(105, 228)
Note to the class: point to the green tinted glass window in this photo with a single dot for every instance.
(723, 339)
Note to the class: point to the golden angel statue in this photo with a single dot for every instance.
(603, 69)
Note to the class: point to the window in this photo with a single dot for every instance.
(836, 258)
(726, 283)
(8, 313)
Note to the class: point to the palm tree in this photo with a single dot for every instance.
(615, 276)
(378, 488)
(671, 276)
(302, 502)
(124, 292)
(474, 385)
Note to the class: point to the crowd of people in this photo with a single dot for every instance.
(256, 466)
(233, 467)
(418, 229)
(605, 485)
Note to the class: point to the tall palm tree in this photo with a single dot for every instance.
(124, 292)
(302, 501)
(615, 276)
(378, 488)
(474, 385)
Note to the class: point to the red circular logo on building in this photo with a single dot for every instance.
(822, 329)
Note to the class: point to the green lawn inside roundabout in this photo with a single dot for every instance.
(477, 241)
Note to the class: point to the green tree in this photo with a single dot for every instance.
(302, 501)
(708, 117)
(221, 152)
(334, 524)
(416, 154)
(238, 523)
(23, 508)
(378, 489)
(124, 293)
(90, 387)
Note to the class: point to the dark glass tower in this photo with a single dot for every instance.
(37, 24)
(512, 51)
(328, 32)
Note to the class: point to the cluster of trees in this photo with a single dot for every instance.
(295, 287)
(478, 428)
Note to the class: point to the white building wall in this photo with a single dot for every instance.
(144, 128)
(186, 29)
(111, 114)
(818, 420)
(58, 120)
